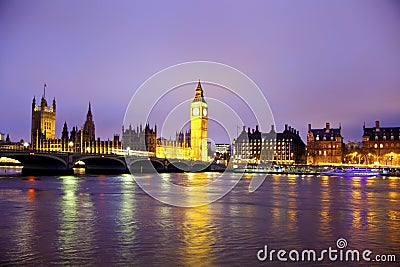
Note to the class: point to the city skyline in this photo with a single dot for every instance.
(343, 69)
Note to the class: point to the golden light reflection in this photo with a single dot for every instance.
(292, 205)
(276, 215)
(394, 196)
(371, 219)
(356, 219)
(325, 218)
(394, 215)
(393, 218)
(198, 234)
(371, 181)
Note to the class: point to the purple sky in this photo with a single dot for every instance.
(315, 61)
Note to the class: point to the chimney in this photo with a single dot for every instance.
(377, 124)
(248, 130)
(290, 128)
(272, 128)
(286, 127)
(327, 127)
(256, 128)
(309, 127)
(244, 128)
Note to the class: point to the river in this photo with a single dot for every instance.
(109, 220)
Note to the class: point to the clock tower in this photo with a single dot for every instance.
(199, 125)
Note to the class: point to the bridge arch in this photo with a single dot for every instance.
(146, 165)
(38, 161)
(97, 163)
(198, 167)
(178, 166)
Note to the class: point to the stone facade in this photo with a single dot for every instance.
(325, 146)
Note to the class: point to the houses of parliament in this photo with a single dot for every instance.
(80, 140)
(189, 145)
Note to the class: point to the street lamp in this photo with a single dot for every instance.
(70, 144)
(26, 144)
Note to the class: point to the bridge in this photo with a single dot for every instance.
(54, 163)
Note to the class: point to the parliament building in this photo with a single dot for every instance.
(189, 145)
(79, 140)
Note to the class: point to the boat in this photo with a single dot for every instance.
(351, 172)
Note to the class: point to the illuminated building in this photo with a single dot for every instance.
(255, 147)
(43, 125)
(247, 146)
(325, 146)
(380, 145)
(222, 153)
(199, 125)
(140, 139)
(77, 141)
(223, 148)
(173, 149)
(189, 145)
(289, 148)
(6, 144)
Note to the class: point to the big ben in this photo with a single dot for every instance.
(198, 125)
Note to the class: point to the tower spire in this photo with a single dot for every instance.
(44, 90)
(89, 115)
(199, 91)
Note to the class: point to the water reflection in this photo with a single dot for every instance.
(126, 220)
(110, 221)
(325, 207)
(25, 234)
(197, 232)
(76, 217)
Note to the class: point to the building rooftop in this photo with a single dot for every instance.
(327, 133)
(381, 133)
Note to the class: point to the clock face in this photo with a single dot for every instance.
(204, 112)
(196, 111)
